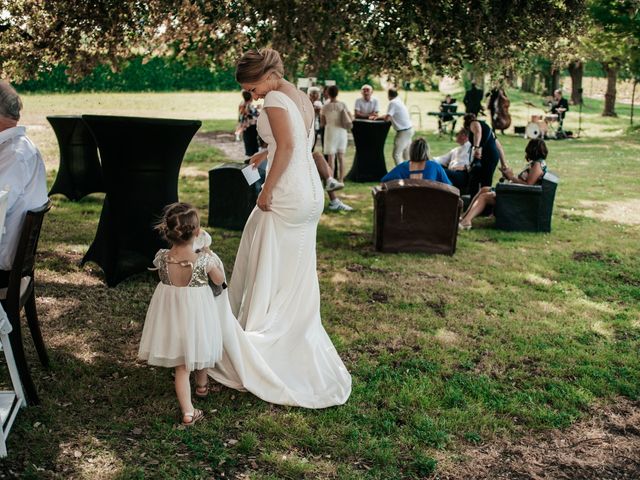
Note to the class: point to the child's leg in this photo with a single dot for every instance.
(183, 390)
(202, 383)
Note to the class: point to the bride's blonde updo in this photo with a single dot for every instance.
(255, 64)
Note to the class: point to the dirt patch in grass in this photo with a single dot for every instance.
(619, 211)
(224, 141)
(606, 445)
(594, 257)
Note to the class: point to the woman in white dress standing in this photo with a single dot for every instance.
(278, 348)
(335, 135)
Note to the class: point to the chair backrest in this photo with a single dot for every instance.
(24, 261)
(417, 215)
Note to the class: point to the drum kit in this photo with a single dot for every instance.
(542, 126)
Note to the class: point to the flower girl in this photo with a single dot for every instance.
(181, 330)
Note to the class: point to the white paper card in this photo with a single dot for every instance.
(252, 175)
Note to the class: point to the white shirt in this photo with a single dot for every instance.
(458, 157)
(400, 117)
(22, 171)
(367, 108)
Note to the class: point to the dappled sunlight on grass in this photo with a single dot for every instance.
(602, 329)
(515, 333)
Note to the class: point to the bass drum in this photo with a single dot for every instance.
(535, 130)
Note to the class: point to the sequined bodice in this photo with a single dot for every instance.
(199, 277)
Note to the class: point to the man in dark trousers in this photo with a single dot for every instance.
(473, 99)
(559, 106)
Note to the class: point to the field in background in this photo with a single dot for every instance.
(217, 106)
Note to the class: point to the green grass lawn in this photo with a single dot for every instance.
(516, 333)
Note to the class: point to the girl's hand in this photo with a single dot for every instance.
(477, 152)
(508, 173)
(257, 159)
(264, 200)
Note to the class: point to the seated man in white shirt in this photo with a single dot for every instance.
(22, 172)
(456, 162)
(367, 106)
(399, 117)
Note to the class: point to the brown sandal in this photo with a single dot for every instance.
(195, 416)
(202, 391)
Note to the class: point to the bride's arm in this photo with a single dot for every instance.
(281, 130)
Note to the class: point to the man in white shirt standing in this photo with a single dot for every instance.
(456, 162)
(22, 172)
(399, 117)
(367, 106)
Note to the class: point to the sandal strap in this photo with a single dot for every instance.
(196, 415)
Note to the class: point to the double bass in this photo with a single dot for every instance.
(499, 107)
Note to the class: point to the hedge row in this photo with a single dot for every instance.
(159, 75)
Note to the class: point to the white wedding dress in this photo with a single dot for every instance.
(278, 349)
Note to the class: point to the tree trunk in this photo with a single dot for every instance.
(555, 80)
(576, 70)
(529, 83)
(633, 98)
(610, 96)
(548, 82)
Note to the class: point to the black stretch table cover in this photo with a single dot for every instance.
(231, 199)
(141, 160)
(369, 164)
(79, 173)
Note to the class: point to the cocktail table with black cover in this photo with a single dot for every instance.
(79, 173)
(369, 163)
(231, 199)
(141, 160)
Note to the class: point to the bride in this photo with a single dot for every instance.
(278, 349)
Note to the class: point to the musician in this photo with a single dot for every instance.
(367, 106)
(486, 152)
(456, 162)
(498, 101)
(445, 108)
(559, 106)
(473, 99)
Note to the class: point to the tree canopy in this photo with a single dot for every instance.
(392, 36)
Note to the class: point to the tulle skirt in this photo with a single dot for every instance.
(181, 328)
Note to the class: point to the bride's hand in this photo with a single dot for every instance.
(264, 200)
(257, 159)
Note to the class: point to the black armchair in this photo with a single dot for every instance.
(526, 208)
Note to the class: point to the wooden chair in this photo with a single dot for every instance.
(21, 294)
